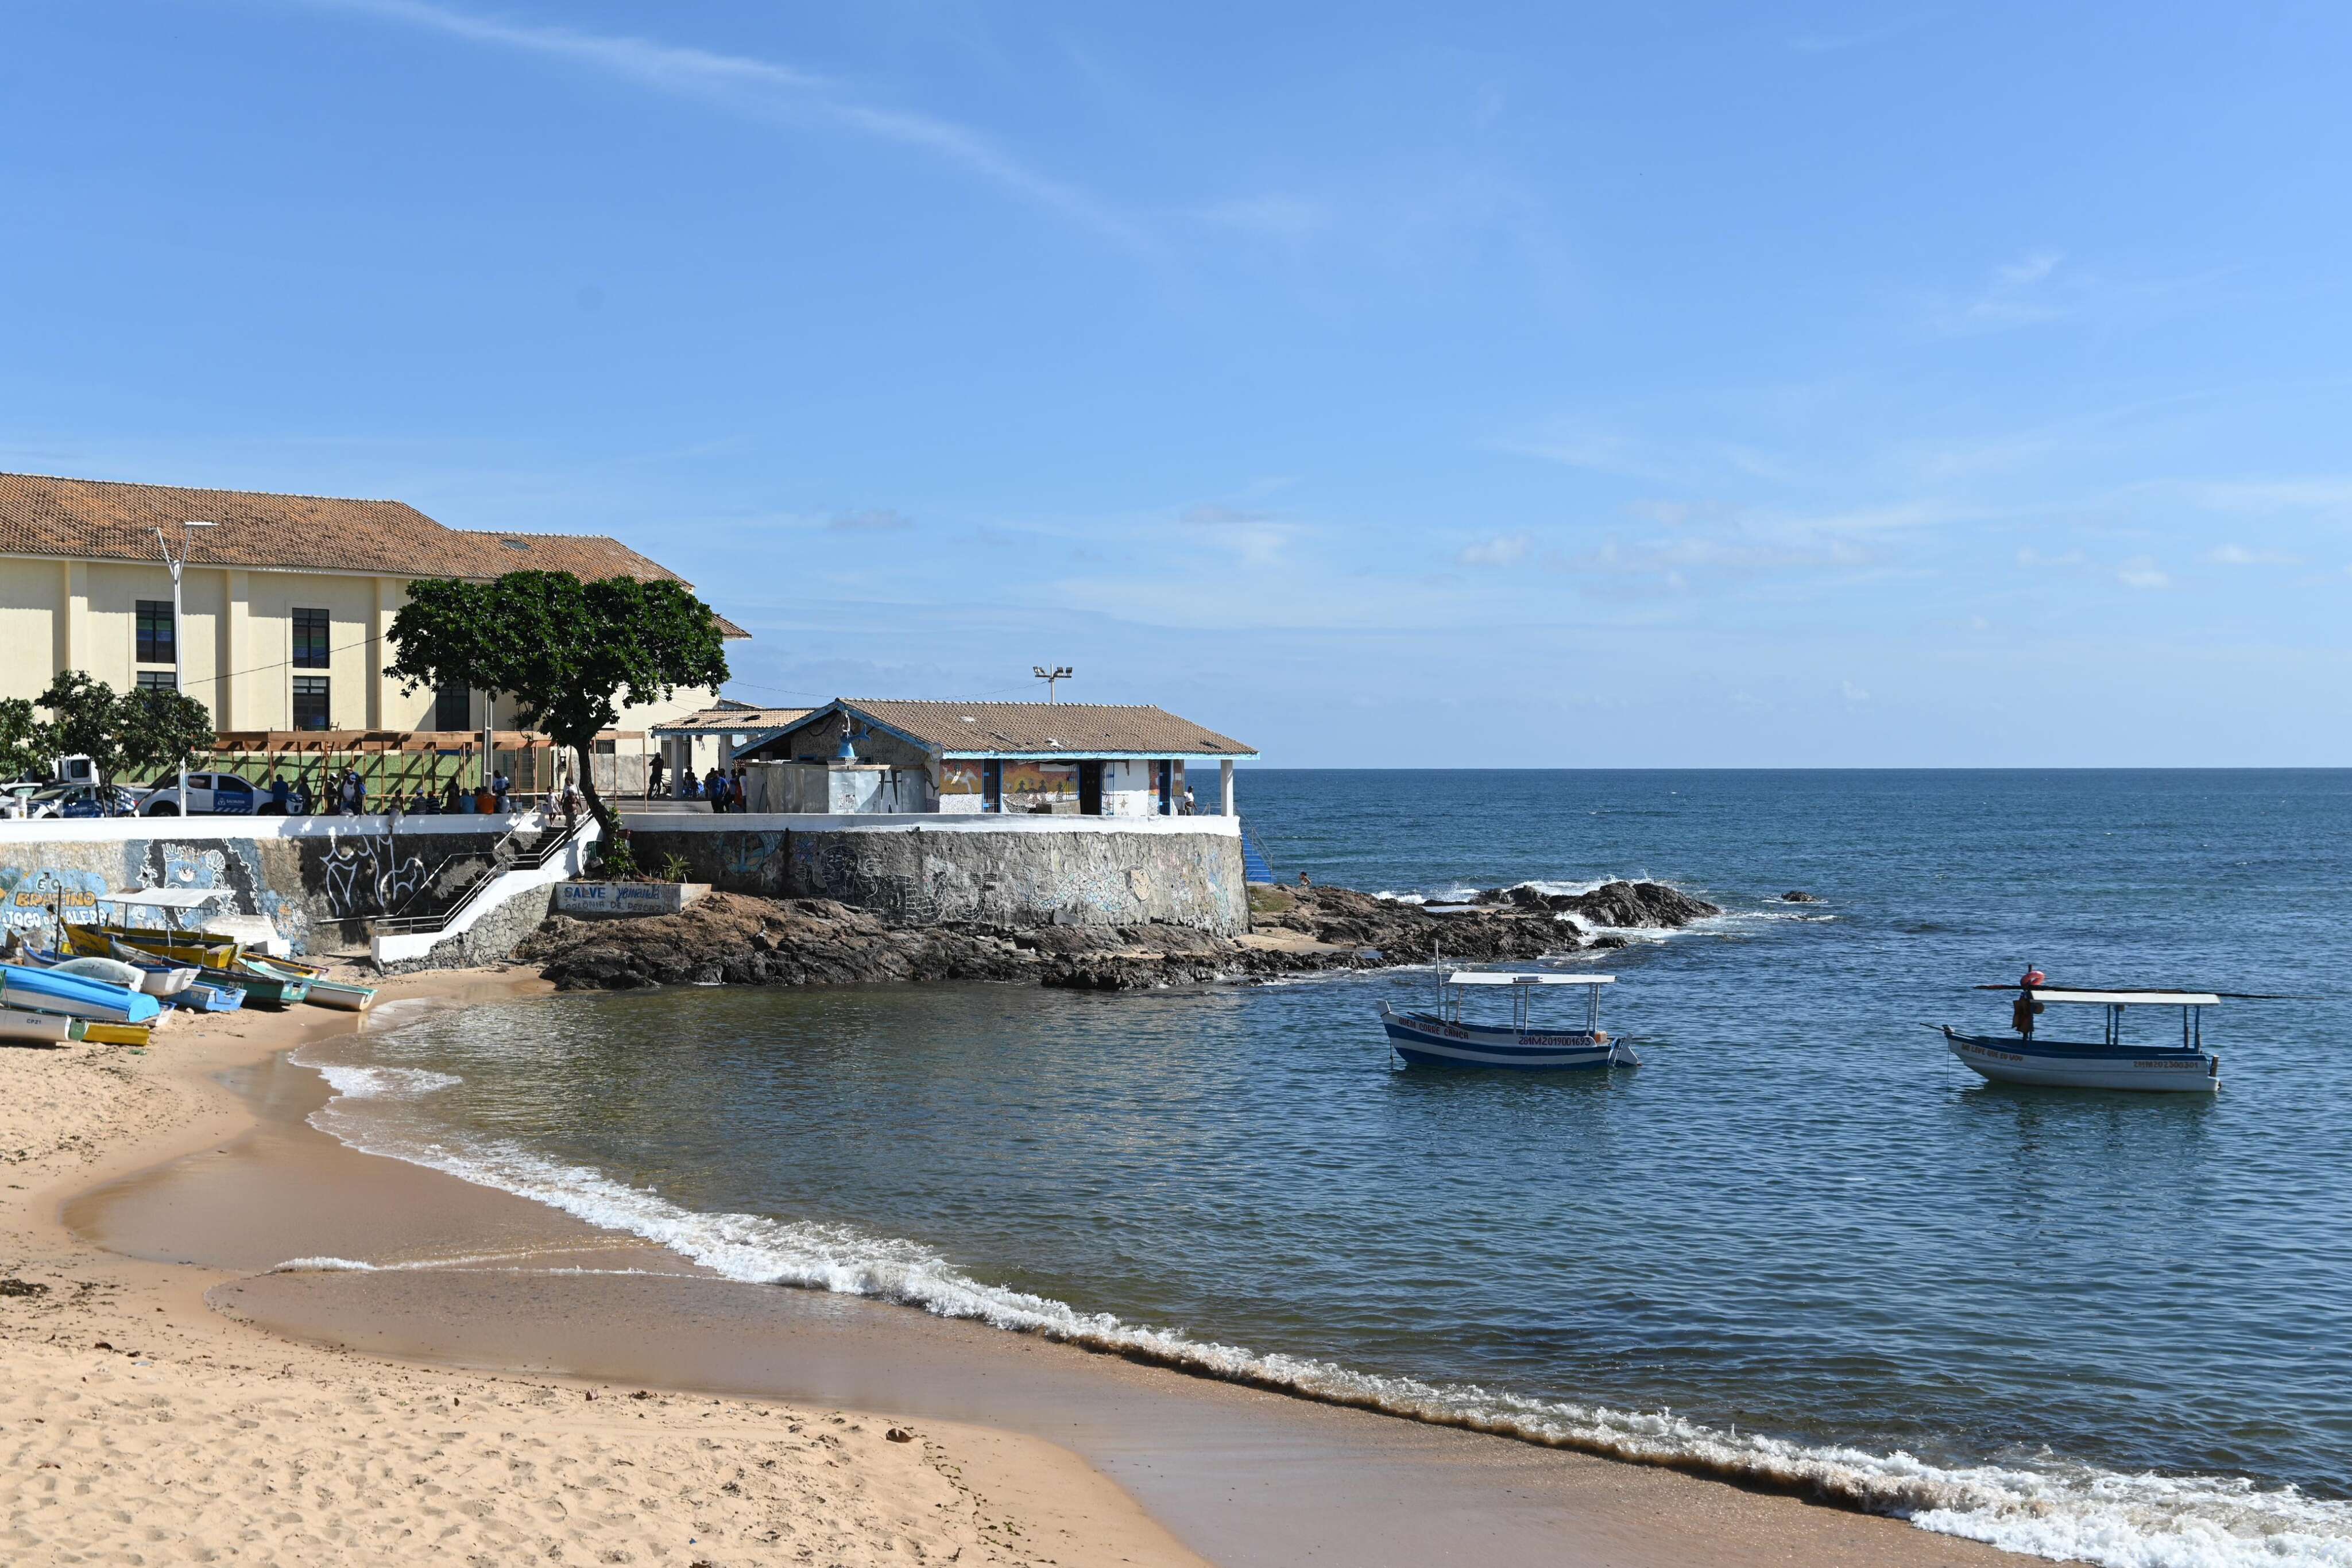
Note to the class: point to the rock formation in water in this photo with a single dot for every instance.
(1799, 896)
(1639, 904)
(735, 939)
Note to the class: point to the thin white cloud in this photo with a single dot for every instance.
(766, 89)
(2019, 293)
(1504, 549)
(2319, 493)
(2239, 555)
(2141, 571)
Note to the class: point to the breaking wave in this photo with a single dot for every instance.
(2060, 1511)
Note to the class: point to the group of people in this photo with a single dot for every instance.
(347, 795)
(722, 789)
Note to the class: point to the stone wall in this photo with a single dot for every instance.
(920, 871)
(317, 880)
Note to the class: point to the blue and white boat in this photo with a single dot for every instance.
(48, 991)
(1441, 1038)
(2104, 1063)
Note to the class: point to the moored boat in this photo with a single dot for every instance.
(2024, 1056)
(191, 949)
(261, 989)
(19, 1027)
(1441, 1038)
(346, 996)
(49, 991)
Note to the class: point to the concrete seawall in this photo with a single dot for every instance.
(317, 880)
(1004, 870)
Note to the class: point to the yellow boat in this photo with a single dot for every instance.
(117, 1033)
(197, 949)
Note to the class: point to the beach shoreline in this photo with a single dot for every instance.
(1104, 1459)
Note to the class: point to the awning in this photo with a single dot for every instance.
(167, 897)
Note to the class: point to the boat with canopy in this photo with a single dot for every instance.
(2107, 1063)
(1442, 1039)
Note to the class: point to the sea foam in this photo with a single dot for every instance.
(2068, 1513)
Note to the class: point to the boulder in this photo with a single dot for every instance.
(1798, 897)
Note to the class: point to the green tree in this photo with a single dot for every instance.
(22, 752)
(141, 733)
(570, 654)
(86, 718)
(163, 731)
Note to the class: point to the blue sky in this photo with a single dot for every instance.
(1385, 384)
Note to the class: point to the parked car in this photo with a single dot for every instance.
(209, 795)
(13, 797)
(81, 800)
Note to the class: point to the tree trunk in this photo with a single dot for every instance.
(596, 807)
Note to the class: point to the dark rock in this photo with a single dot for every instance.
(1640, 904)
(1794, 896)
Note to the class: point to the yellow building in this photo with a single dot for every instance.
(285, 600)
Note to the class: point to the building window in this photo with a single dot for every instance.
(453, 707)
(157, 645)
(158, 680)
(309, 702)
(311, 642)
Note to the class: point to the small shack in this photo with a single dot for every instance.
(855, 755)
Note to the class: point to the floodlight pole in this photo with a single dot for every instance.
(1058, 673)
(178, 666)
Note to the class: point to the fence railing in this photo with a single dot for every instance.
(510, 854)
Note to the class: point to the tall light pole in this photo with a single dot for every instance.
(178, 666)
(1058, 673)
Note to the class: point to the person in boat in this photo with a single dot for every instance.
(2021, 1015)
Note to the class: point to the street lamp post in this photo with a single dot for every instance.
(179, 679)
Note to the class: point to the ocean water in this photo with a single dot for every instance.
(1800, 1243)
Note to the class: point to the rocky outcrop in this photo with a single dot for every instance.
(1799, 896)
(737, 939)
(1639, 904)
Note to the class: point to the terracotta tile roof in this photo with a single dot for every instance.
(98, 519)
(733, 719)
(1077, 729)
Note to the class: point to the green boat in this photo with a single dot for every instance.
(261, 989)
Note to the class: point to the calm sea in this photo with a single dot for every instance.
(1800, 1240)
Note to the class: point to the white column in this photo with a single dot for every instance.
(1225, 784)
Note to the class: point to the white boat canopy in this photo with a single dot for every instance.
(167, 897)
(2130, 998)
(1524, 978)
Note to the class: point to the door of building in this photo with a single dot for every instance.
(1164, 777)
(1090, 789)
(991, 786)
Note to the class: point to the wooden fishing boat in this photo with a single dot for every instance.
(2104, 1063)
(118, 1033)
(203, 997)
(1441, 1038)
(196, 949)
(19, 1027)
(261, 989)
(158, 977)
(39, 989)
(346, 996)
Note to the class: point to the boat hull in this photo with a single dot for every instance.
(1426, 1041)
(46, 990)
(25, 1028)
(2065, 1064)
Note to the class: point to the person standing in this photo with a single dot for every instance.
(499, 785)
(2021, 1015)
(654, 769)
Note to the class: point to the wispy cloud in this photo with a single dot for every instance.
(766, 89)
(2314, 494)
(1503, 549)
(2141, 571)
(871, 520)
(2019, 293)
(2239, 555)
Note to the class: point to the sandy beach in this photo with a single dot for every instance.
(499, 1382)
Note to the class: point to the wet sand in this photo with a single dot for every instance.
(477, 1279)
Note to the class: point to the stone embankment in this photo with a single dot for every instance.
(736, 939)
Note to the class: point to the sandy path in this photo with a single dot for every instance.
(136, 1426)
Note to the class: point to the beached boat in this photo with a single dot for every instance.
(98, 1033)
(346, 996)
(18, 1026)
(199, 950)
(2104, 1063)
(203, 997)
(49, 991)
(1441, 1038)
(157, 977)
(261, 989)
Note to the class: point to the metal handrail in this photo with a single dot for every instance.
(552, 840)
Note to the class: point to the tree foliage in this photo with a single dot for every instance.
(23, 752)
(570, 654)
(137, 733)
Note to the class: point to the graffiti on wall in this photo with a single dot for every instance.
(364, 875)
